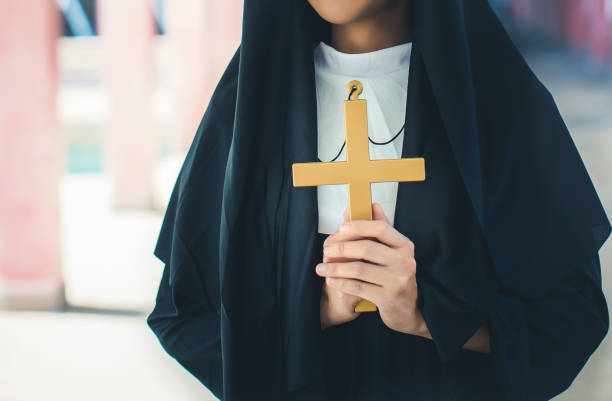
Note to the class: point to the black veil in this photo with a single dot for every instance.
(237, 237)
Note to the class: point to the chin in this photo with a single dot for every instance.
(342, 12)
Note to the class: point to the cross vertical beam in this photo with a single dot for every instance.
(358, 171)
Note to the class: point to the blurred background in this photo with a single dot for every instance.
(99, 101)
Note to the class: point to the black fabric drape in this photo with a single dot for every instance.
(237, 237)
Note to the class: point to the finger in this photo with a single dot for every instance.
(361, 289)
(334, 292)
(335, 259)
(340, 236)
(359, 229)
(369, 250)
(379, 229)
(346, 219)
(363, 271)
(328, 259)
(378, 213)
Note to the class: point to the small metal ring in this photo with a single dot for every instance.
(356, 88)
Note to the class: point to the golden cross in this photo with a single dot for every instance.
(358, 171)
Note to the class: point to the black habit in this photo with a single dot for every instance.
(507, 227)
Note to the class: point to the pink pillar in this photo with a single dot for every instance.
(202, 36)
(579, 23)
(608, 15)
(31, 156)
(230, 31)
(190, 32)
(598, 38)
(131, 142)
(564, 18)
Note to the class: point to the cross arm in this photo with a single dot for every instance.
(393, 170)
(316, 173)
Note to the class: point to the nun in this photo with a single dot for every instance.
(485, 276)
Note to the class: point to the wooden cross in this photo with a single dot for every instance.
(358, 171)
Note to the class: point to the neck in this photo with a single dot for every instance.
(388, 27)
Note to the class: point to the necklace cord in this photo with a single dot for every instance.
(373, 142)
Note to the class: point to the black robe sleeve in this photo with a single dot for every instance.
(192, 336)
(539, 345)
(183, 320)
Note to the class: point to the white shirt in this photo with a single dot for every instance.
(384, 75)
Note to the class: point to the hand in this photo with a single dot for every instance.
(381, 268)
(337, 307)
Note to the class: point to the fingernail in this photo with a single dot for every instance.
(320, 268)
(328, 250)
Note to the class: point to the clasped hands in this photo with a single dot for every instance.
(371, 260)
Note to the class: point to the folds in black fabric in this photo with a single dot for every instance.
(190, 334)
(541, 344)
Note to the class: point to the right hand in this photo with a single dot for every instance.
(337, 307)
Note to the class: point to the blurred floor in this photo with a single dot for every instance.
(68, 356)
(108, 264)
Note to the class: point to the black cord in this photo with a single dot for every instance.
(375, 143)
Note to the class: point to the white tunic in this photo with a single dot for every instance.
(384, 75)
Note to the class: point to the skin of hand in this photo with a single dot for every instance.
(336, 306)
(371, 260)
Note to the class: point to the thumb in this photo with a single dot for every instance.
(346, 215)
(378, 213)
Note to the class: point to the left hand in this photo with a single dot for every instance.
(386, 274)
